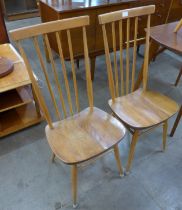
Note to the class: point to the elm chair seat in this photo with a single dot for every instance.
(84, 136)
(143, 109)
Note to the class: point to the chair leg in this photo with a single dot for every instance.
(118, 160)
(165, 126)
(53, 157)
(178, 78)
(132, 150)
(176, 122)
(74, 185)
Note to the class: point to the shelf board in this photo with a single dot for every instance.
(23, 15)
(18, 118)
(14, 98)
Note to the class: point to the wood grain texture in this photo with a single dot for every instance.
(171, 40)
(143, 109)
(19, 76)
(125, 14)
(18, 109)
(84, 136)
(60, 10)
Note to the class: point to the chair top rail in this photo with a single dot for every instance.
(124, 14)
(49, 27)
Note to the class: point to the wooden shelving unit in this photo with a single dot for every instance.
(18, 107)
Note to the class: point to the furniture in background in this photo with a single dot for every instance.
(54, 10)
(178, 27)
(171, 41)
(18, 108)
(16, 9)
(78, 136)
(3, 32)
(140, 110)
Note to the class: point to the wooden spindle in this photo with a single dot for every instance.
(73, 70)
(38, 51)
(64, 71)
(127, 55)
(35, 86)
(115, 59)
(121, 57)
(108, 63)
(146, 56)
(134, 55)
(87, 67)
(55, 74)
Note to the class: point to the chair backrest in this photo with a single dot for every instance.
(41, 32)
(128, 18)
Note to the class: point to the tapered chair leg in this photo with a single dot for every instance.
(165, 126)
(53, 157)
(178, 77)
(176, 122)
(74, 185)
(132, 150)
(118, 160)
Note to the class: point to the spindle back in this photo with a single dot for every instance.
(116, 75)
(42, 31)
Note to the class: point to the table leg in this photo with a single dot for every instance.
(78, 63)
(92, 65)
(153, 50)
(178, 78)
(176, 122)
(161, 50)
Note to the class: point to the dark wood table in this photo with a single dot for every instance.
(163, 35)
(59, 9)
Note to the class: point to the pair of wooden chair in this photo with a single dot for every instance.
(76, 138)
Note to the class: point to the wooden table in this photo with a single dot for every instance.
(18, 107)
(163, 35)
(59, 9)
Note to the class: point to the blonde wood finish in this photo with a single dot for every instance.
(19, 77)
(76, 137)
(18, 118)
(132, 150)
(74, 184)
(179, 25)
(92, 133)
(143, 109)
(49, 27)
(140, 110)
(17, 107)
(14, 98)
(125, 14)
(118, 160)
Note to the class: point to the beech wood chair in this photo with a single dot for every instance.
(139, 110)
(75, 137)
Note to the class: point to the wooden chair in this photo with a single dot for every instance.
(75, 137)
(142, 109)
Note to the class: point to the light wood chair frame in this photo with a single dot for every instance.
(56, 27)
(112, 18)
